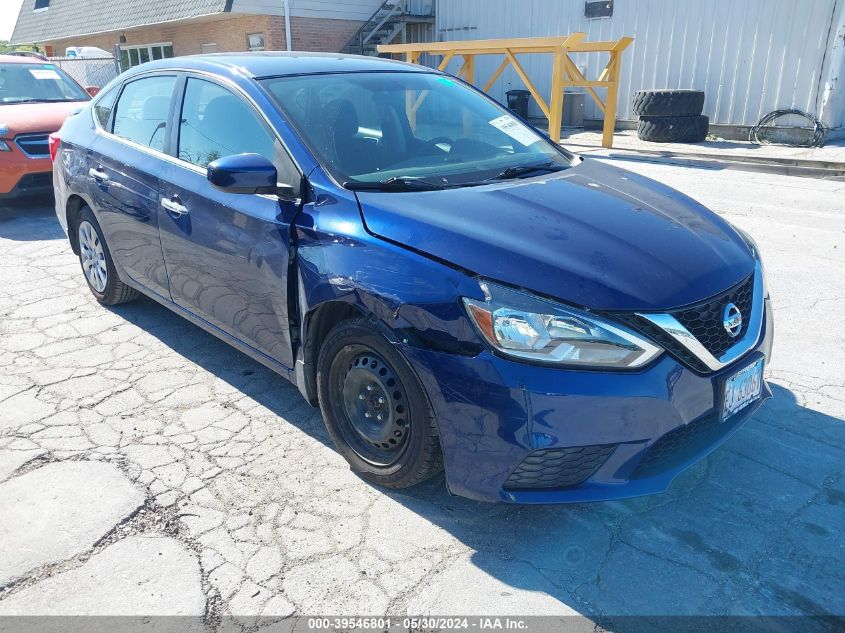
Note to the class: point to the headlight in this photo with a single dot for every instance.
(752, 243)
(524, 326)
(4, 147)
(755, 251)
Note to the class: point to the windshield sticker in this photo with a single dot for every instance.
(516, 130)
(49, 66)
(43, 73)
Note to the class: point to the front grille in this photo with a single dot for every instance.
(558, 467)
(667, 342)
(34, 145)
(705, 320)
(680, 444)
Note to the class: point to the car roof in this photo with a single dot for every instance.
(22, 59)
(278, 63)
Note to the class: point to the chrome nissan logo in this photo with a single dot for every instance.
(732, 320)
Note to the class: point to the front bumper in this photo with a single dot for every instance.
(22, 177)
(629, 433)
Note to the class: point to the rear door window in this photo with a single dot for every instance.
(142, 111)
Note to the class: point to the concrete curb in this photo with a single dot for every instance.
(772, 165)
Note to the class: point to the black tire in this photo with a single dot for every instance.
(668, 102)
(355, 357)
(115, 291)
(673, 129)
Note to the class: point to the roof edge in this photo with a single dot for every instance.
(12, 40)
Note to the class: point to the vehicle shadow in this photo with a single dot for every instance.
(754, 529)
(29, 220)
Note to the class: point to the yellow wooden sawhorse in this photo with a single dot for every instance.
(564, 71)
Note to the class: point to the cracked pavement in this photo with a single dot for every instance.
(148, 468)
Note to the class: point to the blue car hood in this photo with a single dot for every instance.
(592, 235)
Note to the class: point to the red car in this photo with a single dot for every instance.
(35, 99)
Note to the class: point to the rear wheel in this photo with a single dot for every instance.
(97, 264)
(375, 408)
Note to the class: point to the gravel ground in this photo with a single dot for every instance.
(146, 467)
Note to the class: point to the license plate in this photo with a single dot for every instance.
(743, 388)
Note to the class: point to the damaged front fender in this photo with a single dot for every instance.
(416, 299)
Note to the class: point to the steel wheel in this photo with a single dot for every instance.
(93, 257)
(372, 408)
(375, 408)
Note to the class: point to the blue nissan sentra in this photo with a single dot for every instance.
(453, 290)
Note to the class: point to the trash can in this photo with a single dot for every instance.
(518, 102)
(573, 109)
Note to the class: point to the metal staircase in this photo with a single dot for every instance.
(395, 20)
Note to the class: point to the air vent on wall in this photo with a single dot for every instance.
(598, 9)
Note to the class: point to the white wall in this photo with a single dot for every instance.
(749, 56)
(331, 9)
(833, 92)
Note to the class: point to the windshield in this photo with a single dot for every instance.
(410, 128)
(31, 83)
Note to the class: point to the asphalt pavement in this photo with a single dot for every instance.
(148, 468)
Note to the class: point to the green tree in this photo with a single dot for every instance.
(5, 47)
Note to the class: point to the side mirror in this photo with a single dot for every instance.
(92, 90)
(247, 173)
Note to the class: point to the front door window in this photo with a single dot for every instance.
(215, 123)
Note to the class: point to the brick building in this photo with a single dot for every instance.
(145, 30)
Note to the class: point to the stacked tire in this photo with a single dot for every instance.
(670, 116)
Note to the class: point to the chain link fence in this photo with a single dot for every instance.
(89, 71)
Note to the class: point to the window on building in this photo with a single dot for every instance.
(207, 49)
(142, 111)
(216, 123)
(41, 5)
(255, 41)
(131, 56)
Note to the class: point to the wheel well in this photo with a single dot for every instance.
(318, 323)
(72, 208)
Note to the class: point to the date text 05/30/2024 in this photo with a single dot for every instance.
(417, 623)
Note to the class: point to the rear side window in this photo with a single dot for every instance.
(142, 111)
(217, 123)
(103, 107)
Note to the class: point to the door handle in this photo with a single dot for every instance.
(174, 207)
(98, 174)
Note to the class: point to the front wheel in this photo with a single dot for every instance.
(375, 408)
(97, 264)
